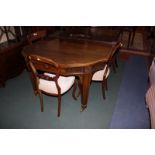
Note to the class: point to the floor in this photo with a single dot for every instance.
(20, 108)
(130, 110)
(123, 108)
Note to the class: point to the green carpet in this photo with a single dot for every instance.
(20, 108)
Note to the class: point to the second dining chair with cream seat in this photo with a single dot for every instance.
(102, 75)
(49, 83)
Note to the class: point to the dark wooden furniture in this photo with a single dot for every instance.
(52, 31)
(11, 61)
(75, 57)
(98, 33)
(106, 34)
(38, 35)
(102, 75)
(47, 83)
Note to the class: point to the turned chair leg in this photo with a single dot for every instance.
(41, 102)
(59, 105)
(74, 91)
(79, 86)
(103, 90)
(106, 84)
(116, 63)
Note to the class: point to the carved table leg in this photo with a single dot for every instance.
(85, 80)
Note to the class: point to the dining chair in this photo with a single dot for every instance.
(102, 75)
(39, 35)
(114, 55)
(49, 83)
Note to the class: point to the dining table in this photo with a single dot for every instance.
(80, 58)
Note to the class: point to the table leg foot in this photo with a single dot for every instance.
(82, 108)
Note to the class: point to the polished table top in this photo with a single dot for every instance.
(71, 53)
(75, 57)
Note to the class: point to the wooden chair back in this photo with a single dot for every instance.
(37, 66)
(115, 49)
(40, 67)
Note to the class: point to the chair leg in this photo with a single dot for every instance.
(106, 84)
(41, 102)
(116, 62)
(59, 105)
(35, 92)
(74, 91)
(79, 86)
(103, 91)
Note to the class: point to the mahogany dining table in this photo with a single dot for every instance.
(80, 58)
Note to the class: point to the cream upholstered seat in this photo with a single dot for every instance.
(98, 76)
(103, 74)
(65, 84)
(48, 83)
